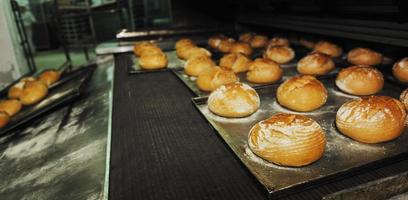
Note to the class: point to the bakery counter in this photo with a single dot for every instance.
(63, 153)
(162, 148)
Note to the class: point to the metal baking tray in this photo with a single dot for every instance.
(173, 63)
(342, 155)
(71, 88)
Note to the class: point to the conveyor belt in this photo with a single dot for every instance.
(162, 148)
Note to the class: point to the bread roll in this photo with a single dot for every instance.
(404, 98)
(16, 90)
(288, 140)
(236, 62)
(184, 52)
(197, 51)
(315, 64)
(144, 46)
(211, 79)
(279, 54)
(372, 119)
(215, 41)
(263, 70)
(184, 42)
(194, 66)
(307, 43)
(234, 100)
(400, 70)
(10, 106)
(360, 80)
(328, 48)
(259, 41)
(278, 41)
(241, 47)
(246, 37)
(49, 77)
(4, 119)
(364, 56)
(153, 61)
(225, 45)
(33, 92)
(302, 93)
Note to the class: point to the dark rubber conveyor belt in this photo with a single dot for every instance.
(162, 148)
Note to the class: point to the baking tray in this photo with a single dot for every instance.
(342, 156)
(58, 95)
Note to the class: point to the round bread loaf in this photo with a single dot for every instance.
(315, 64)
(241, 47)
(237, 62)
(184, 52)
(144, 46)
(364, 56)
(4, 119)
(195, 65)
(234, 100)
(278, 41)
(279, 54)
(263, 70)
(246, 37)
(360, 80)
(211, 79)
(153, 61)
(184, 42)
(197, 51)
(372, 119)
(328, 48)
(302, 93)
(225, 45)
(33, 92)
(288, 140)
(404, 98)
(259, 41)
(400, 70)
(10, 106)
(16, 90)
(49, 77)
(215, 41)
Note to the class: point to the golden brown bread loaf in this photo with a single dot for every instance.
(328, 48)
(246, 37)
(184, 42)
(184, 52)
(288, 140)
(153, 61)
(360, 80)
(237, 62)
(263, 70)
(49, 77)
(372, 119)
(278, 41)
(404, 98)
(195, 65)
(241, 47)
(33, 92)
(225, 45)
(400, 70)
(197, 51)
(302, 93)
(259, 41)
(140, 47)
(4, 119)
(279, 54)
(214, 41)
(10, 106)
(16, 90)
(315, 64)
(211, 79)
(364, 56)
(234, 100)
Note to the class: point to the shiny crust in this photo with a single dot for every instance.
(138, 48)
(404, 98)
(10, 106)
(225, 45)
(49, 77)
(236, 62)
(194, 66)
(364, 56)
(153, 61)
(184, 52)
(184, 42)
(16, 90)
(279, 54)
(33, 92)
(278, 41)
(259, 41)
(234, 100)
(241, 47)
(288, 140)
(4, 119)
(246, 37)
(215, 40)
(315, 64)
(302, 93)
(400, 70)
(211, 79)
(328, 48)
(360, 80)
(371, 119)
(263, 70)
